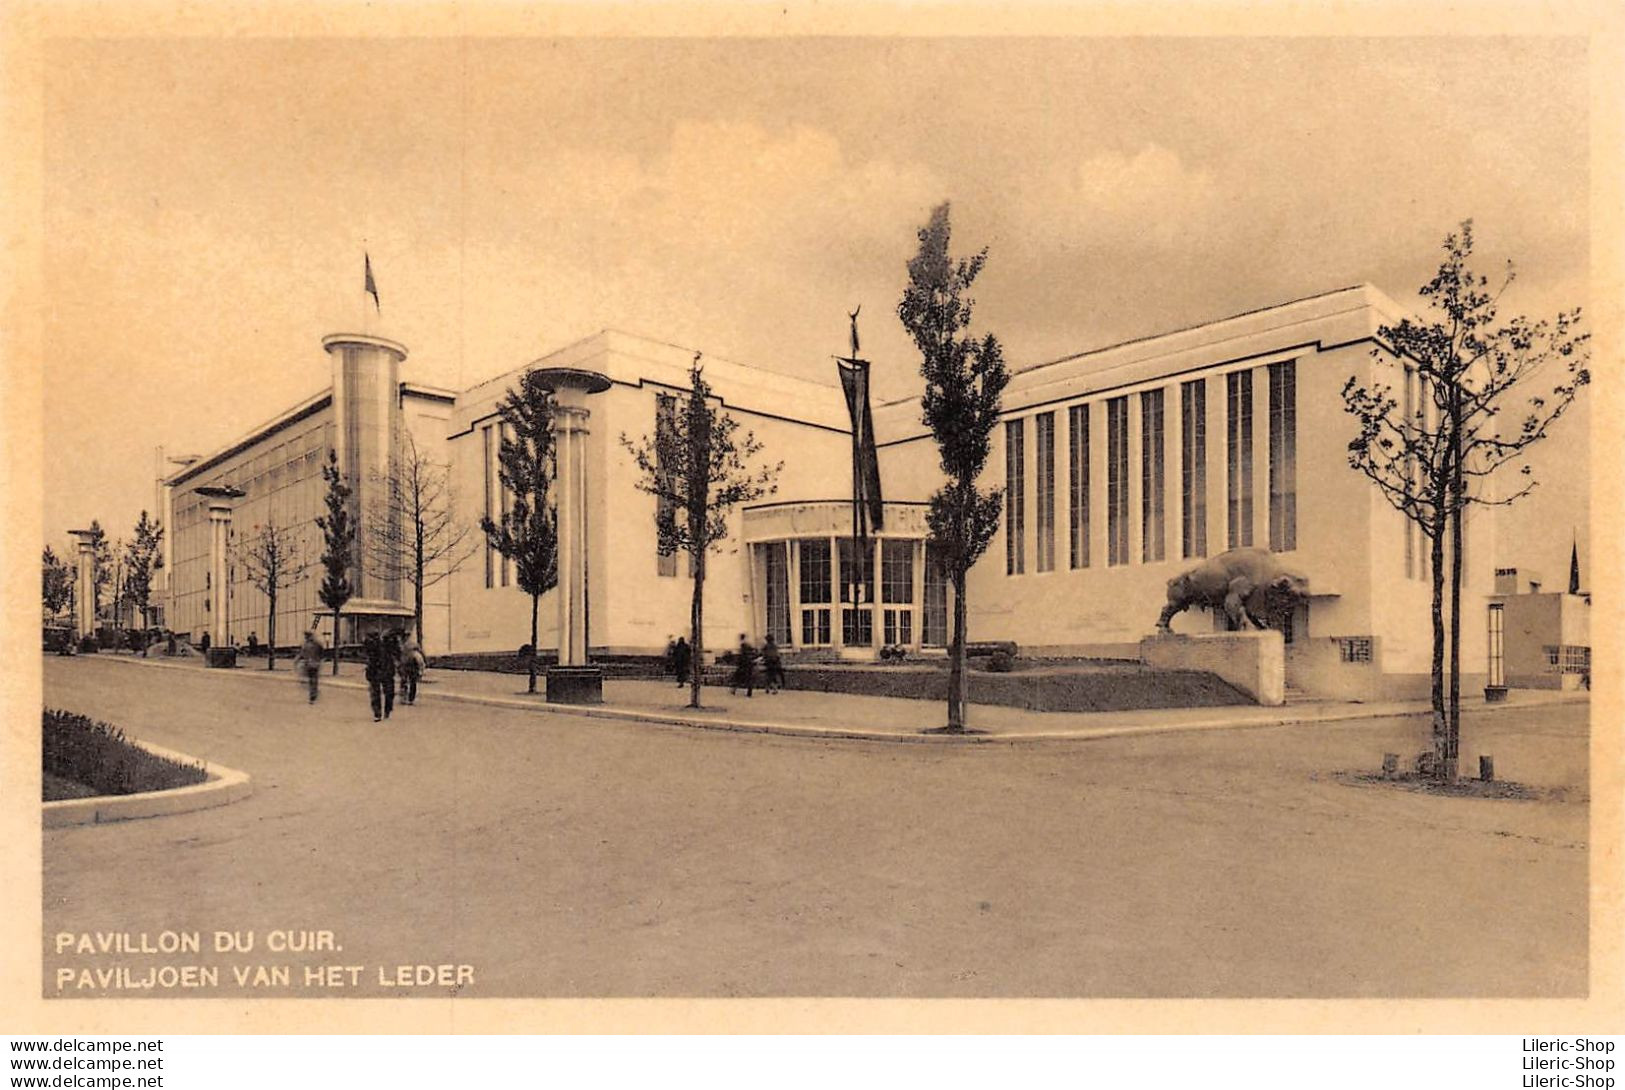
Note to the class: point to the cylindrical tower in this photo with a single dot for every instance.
(367, 419)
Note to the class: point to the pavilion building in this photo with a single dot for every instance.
(1122, 467)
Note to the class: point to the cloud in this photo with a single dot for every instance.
(1151, 194)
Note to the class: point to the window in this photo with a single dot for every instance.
(1568, 659)
(1283, 456)
(1410, 471)
(665, 512)
(1193, 467)
(1152, 517)
(1117, 481)
(1239, 448)
(485, 433)
(1045, 435)
(1354, 649)
(1015, 498)
(857, 593)
(897, 572)
(815, 592)
(503, 505)
(1497, 674)
(1078, 421)
(934, 624)
(776, 563)
(857, 572)
(897, 592)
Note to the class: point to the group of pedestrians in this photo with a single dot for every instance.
(680, 660)
(745, 667)
(388, 657)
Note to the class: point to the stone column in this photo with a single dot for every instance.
(573, 680)
(85, 591)
(220, 499)
(367, 433)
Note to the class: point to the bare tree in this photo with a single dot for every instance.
(413, 532)
(272, 560)
(1481, 405)
(698, 472)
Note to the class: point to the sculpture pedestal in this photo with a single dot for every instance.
(221, 657)
(1253, 662)
(575, 685)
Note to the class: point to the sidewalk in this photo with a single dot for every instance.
(841, 715)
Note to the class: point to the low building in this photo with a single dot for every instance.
(1122, 467)
(1537, 639)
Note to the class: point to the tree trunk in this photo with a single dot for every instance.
(1441, 725)
(336, 640)
(270, 634)
(417, 587)
(958, 682)
(696, 637)
(1457, 505)
(417, 584)
(535, 601)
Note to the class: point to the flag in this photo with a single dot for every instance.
(868, 512)
(1574, 569)
(371, 286)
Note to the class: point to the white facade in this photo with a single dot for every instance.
(1109, 501)
(1365, 629)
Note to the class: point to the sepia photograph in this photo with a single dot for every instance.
(852, 516)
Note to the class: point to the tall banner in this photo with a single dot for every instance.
(868, 512)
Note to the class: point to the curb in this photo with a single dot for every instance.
(224, 785)
(788, 730)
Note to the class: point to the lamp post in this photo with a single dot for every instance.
(85, 611)
(574, 680)
(220, 497)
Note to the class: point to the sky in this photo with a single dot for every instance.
(208, 202)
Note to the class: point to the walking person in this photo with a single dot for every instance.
(681, 656)
(772, 666)
(309, 662)
(412, 663)
(744, 668)
(381, 656)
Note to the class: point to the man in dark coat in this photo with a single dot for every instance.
(744, 668)
(772, 666)
(381, 658)
(681, 655)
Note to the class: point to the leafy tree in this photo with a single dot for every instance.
(528, 532)
(698, 469)
(143, 559)
(1482, 405)
(965, 378)
(58, 583)
(338, 546)
(102, 566)
(272, 560)
(413, 533)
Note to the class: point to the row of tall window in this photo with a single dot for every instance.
(853, 572)
(498, 568)
(1152, 468)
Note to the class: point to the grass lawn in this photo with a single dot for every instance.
(84, 757)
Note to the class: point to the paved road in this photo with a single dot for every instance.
(563, 856)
